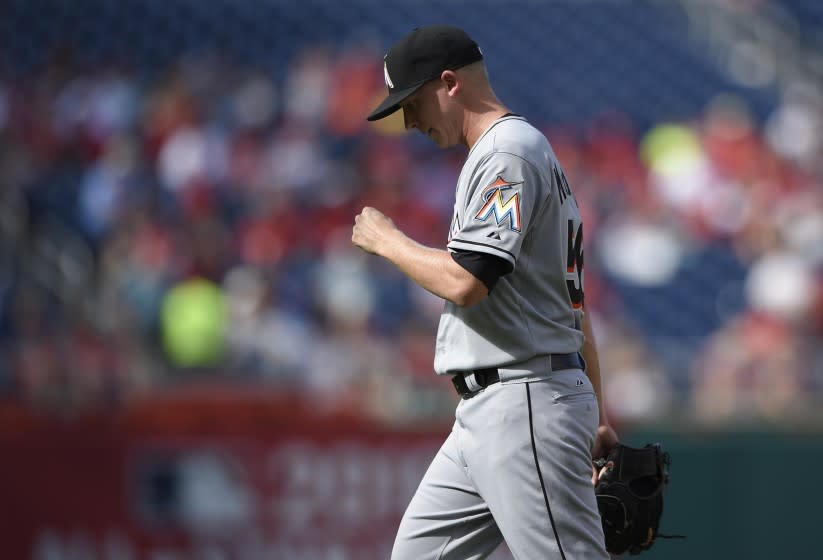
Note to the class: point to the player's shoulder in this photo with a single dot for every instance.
(516, 136)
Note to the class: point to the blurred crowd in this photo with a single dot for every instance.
(193, 226)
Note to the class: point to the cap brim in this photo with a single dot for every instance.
(392, 103)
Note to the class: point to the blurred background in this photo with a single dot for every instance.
(196, 363)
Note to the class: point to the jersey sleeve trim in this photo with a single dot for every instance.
(482, 248)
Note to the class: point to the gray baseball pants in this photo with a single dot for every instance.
(516, 466)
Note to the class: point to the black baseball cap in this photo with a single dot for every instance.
(421, 56)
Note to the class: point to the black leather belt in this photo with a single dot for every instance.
(489, 376)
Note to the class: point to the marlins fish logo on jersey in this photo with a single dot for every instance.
(502, 210)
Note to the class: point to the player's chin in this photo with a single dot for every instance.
(439, 139)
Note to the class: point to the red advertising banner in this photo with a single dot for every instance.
(194, 480)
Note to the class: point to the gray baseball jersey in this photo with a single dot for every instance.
(514, 202)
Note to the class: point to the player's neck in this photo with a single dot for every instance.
(479, 122)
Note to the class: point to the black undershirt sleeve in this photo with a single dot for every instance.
(483, 266)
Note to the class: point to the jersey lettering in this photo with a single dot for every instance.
(563, 188)
(497, 207)
(574, 264)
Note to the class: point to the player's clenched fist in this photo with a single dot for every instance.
(372, 230)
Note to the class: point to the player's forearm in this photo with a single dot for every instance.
(593, 367)
(434, 270)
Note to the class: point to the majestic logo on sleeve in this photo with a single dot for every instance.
(455, 227)
(501, 209)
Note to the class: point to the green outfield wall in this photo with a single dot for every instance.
(740, 495)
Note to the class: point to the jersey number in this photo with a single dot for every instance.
(574, 263)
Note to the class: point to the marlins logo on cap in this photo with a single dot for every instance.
(389, 83)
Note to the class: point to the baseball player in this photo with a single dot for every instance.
(512, 337)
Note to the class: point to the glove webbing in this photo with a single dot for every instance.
(642, 462)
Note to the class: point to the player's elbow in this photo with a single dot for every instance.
(470, 300)
(463, 288)
(469, 293)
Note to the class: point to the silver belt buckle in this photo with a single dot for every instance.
(471, 382)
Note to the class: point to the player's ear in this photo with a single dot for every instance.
(449, 78)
